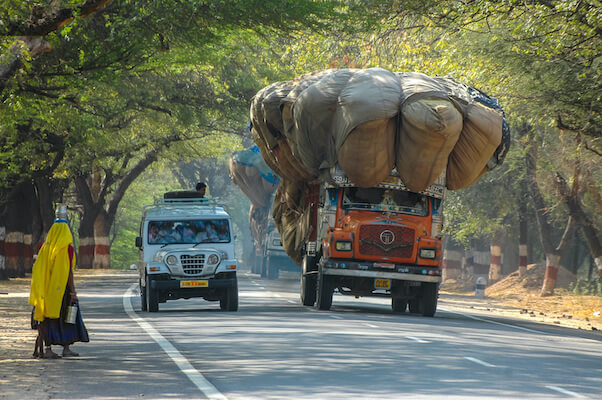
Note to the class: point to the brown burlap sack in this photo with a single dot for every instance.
(429, 130)
(481, 134)
(368, 154)
(290, 167)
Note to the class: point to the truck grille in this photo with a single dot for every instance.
(192, 264)
(386, 240)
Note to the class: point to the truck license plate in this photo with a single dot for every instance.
(382, 284)
(187, 284)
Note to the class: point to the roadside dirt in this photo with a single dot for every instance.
(519, 297)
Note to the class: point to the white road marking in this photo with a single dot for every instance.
(276, 295)
(567, 392)
(483, 363)
(492, 322)
(416, 339)
(370, 325)
(335, 317)
(291, 301)
(195, 376)
(261, 287)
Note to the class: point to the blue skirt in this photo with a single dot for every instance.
(59, 332)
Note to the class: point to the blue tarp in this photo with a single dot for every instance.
(251, 157)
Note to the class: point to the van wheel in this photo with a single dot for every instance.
(324, 293)
(151, 296)
(229, 302)
(428, 302)
(142, 296)
(399, 305)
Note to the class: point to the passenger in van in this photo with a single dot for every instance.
(211, 233)
(201, 235)
(187, 234)
(166, 233)
(153, 233)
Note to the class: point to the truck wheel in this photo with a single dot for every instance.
(272, 269)
(428, 302)
(324, 293)
(414, 306)
(229, 302)
(308, 290)
(151, 296)
(263, 267)
(399, 305)
(142, 296)
(308, 285)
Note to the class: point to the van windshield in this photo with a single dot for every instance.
(189, 231)
(379, 199)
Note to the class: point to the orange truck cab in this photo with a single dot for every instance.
(379, 241)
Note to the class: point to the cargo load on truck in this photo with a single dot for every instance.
(365, 157)
(250, 172)
(370, 122)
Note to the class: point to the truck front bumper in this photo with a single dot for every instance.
(366, 269)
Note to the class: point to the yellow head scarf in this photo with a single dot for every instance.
(50, 273)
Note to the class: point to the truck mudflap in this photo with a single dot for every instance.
(381, 270)
(192, 284)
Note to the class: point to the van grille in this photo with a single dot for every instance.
(386, 240)
(192, 264)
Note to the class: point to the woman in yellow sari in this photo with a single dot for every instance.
(52, 290)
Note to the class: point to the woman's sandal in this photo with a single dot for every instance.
(70, 353)
(50, 354)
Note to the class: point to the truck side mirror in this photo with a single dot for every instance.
(138, 241)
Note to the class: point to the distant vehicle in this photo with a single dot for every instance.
(186, 250)
(270, 255)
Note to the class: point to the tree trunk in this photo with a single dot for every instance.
(523, 238)
(102, 249)
(495, 268)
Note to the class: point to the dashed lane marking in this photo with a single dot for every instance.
(566, 392)
(480, 362)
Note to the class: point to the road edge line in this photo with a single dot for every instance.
(195, 376)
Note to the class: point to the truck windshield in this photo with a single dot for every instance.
(379, 199)
(189, 231)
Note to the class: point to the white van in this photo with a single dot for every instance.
(186, 249)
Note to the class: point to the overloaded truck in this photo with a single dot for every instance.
(186, 250)
(258, 182)
(365, 158)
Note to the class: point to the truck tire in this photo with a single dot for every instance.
(428, 301)
(142, 296)
(271, 267)
(308, 285)
(414, 306)
(151, 296)
(263, 271)
(229, 302)
(324, 293)
(399, 305)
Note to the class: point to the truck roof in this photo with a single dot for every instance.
(183, 208)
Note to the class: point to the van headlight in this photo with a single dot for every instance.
(213, 259)
(342, 245)
(171, 260)
(428, 253)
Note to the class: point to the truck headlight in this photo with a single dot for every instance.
(171, 260)
(342, 246)
(212, 259)
(428, 253)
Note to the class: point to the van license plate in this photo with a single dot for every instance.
(382, 284)
(187, 284)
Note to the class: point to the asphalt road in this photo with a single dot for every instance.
(274, 348)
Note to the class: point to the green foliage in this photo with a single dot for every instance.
(589, 288)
